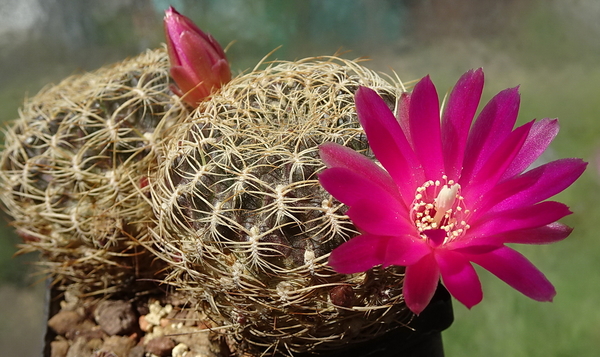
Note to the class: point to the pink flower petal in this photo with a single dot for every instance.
(547, 180)
(187, 82)
(377, 218)
(420, 282)
(335, 155)
(541, 134)
(195, 52)
(404, 250)
(489, 174)
(350, 187)
(359, 254)
(424, 119)
(519, 218)
(475, 246)
(491, 128)
(531, 187)
(501, 192)
(222, 70)
(459, 277)
(549, 233)
(457, 117)
(402, 108)
(518, 272)
(388, 142)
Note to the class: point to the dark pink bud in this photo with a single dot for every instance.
(198, 63)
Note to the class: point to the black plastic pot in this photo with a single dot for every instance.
(423, 338)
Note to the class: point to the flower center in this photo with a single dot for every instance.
(439, 212)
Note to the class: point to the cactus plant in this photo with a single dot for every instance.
(244, 224)
(73, 170)
(106, 171)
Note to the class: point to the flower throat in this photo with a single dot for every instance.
(438, 211)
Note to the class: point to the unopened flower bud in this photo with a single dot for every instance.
(198, 63)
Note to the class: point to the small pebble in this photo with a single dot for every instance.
(144, 324)
(79, 348)
(160, 346)
(104, 354)
(59, 348)
(180, 350)
(115, 317)
(64, 321)
(94, 343)
(87, 329)
(164, 322)
(119, 345)
(136, 351)
(157, 312)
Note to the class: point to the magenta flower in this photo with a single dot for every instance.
(198, 63)
(450, 194)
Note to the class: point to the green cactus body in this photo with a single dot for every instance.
(246, 227)
(74, 166)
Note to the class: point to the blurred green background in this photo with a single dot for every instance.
(548, 47)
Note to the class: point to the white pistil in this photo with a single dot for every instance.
(444, 202)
